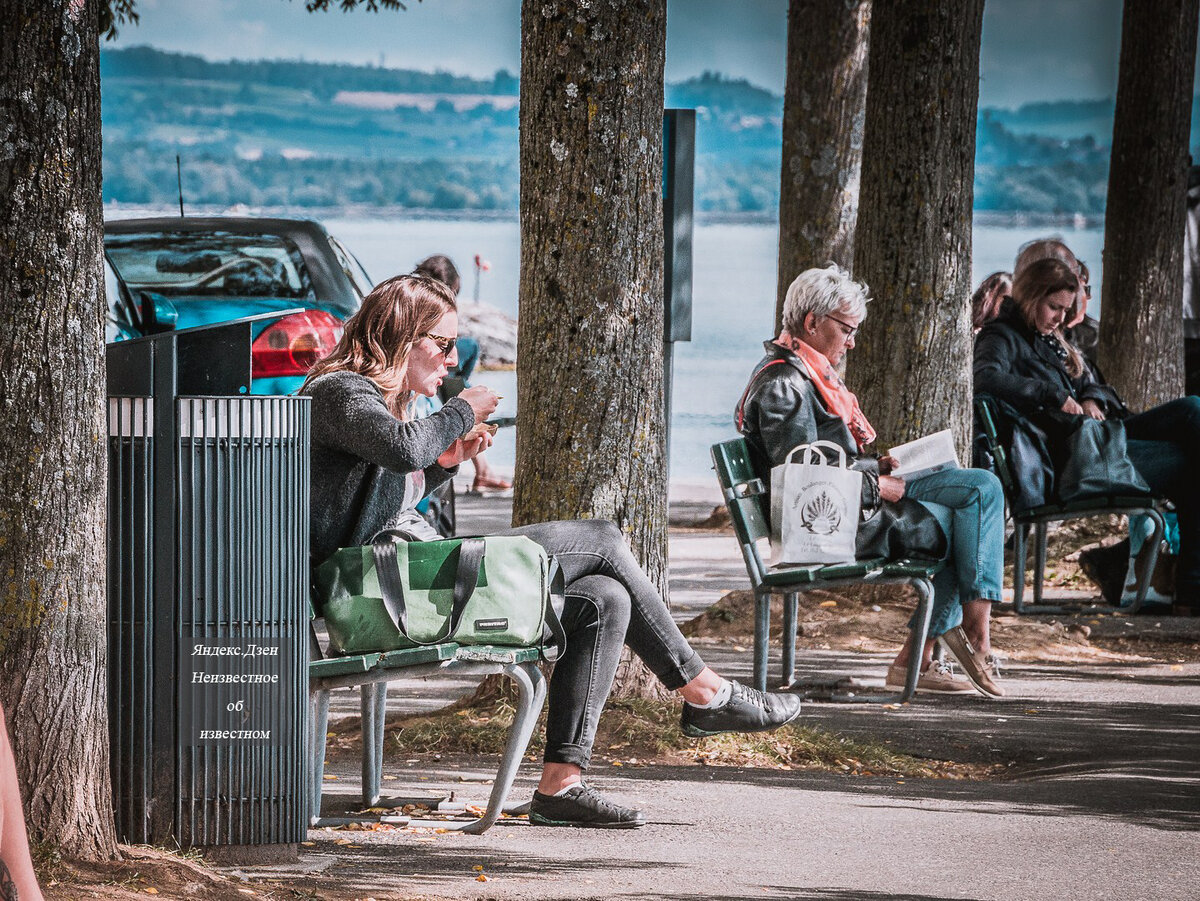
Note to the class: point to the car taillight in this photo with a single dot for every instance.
(291, 345)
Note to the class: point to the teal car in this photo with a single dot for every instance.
(175, 273)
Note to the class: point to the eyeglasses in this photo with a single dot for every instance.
(445, 345)
(847, 329)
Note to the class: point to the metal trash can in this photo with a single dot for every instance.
(207, 597)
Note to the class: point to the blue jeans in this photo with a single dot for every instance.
(610, 603)
(969, 505)
(1164, 446)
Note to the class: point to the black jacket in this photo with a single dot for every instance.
(1013, 364)
(782, 408)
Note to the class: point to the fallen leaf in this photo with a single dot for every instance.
(827, 604)
(478, 868)
(482, 878)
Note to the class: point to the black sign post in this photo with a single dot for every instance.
(679, 168)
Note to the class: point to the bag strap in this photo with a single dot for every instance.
(554, 636)
(391, 586)
(740, 413)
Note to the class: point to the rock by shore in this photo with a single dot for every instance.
(495, 331)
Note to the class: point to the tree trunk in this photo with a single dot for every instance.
(53, 434)
(591, 442)
(912, 244)
(1141, 328)
(823, 109)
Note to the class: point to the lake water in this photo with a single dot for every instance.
(733, 306)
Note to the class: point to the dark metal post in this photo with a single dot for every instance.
(679, 167)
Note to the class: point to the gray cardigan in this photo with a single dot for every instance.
(366, 462)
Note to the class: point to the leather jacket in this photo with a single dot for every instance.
(781, 408)
(1013, 364)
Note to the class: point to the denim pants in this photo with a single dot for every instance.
(969, 505)
(1164, 446)
(610, 603)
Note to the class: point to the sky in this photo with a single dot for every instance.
(1033, 50)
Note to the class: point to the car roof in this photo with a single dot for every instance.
(311, 238)
(248, 225)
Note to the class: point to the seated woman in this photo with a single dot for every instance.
(795, 396)
(1023, 358)
(371, 464)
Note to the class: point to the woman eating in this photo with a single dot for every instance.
(1023, 358)
(371, 465)
(795, 396)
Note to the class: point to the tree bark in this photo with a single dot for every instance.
(913, 237)
(1141, 329)
(591, 443)
(53, 432)
(824, 105)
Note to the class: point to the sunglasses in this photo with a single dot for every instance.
(445, 345)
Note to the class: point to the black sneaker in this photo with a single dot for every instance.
(748, 710)
(582, 805)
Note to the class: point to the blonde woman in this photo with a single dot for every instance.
(371, 464)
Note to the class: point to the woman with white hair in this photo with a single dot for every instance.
(796, 396)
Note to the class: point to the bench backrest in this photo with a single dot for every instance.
(985, 410)
(744, 492)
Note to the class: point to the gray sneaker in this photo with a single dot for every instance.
(982, 669)
(582, 805)
(747, 710)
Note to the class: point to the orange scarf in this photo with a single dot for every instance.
(838, 398)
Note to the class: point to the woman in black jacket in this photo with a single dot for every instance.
(1023, 358)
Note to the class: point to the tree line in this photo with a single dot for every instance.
(157, 104)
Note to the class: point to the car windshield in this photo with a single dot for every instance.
(352, 267)
(212, 264)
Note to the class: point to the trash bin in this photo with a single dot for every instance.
(207, 597)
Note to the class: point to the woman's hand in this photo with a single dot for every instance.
(475, 443)
(891, 488)
(1070, 405)
(482, 400)
(1092, 409)
(888, 464)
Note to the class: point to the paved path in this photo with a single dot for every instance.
(1101, 799)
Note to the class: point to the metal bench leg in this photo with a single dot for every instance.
(791, 605)
(762, 635)
(1155, 540)
(531, 688)
(920, 635)
(318, 713)
(373, 705)
(1020, 533)
(1040, 533)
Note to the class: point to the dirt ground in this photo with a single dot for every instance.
(874, 618)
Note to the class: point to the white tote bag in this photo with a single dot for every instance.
(815, 506)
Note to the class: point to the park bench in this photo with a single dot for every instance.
(743, 490)
(1039, 518)
(370, 673)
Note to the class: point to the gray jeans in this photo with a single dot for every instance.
(610, 603)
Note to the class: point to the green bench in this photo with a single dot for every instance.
(370, 673)
(1038, 518)
(743, 490)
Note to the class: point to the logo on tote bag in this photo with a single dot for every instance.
(821, 508)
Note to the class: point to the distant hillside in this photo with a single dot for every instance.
(301, 134)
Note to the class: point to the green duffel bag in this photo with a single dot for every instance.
(396, 593)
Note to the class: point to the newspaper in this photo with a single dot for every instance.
(925, 456)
